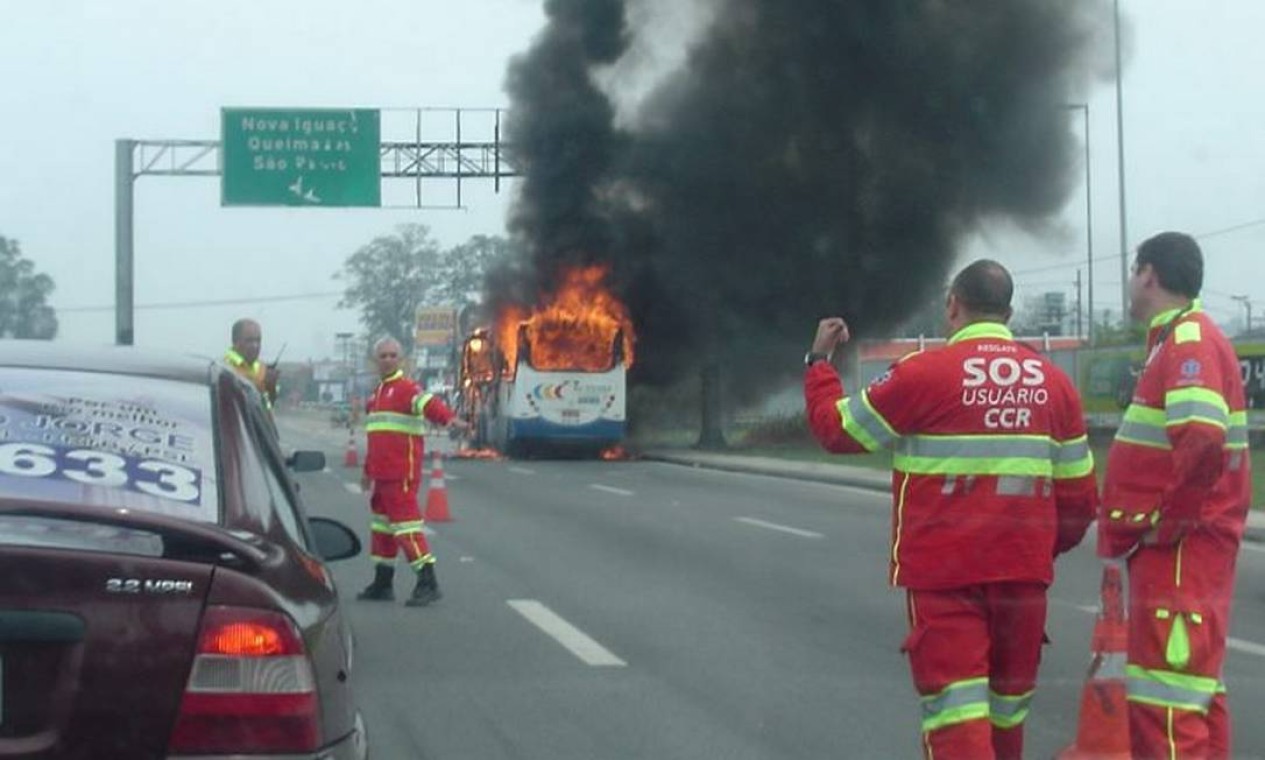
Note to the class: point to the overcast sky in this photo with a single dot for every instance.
(80, 74)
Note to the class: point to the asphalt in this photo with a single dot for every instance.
(829, 472)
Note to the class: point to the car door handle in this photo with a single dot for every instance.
(27, 625)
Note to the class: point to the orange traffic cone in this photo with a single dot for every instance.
(351, 458)
(1103, 730)
(437, 492)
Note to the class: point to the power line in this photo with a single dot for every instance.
(219, 302)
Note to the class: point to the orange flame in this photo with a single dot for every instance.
(576, 329)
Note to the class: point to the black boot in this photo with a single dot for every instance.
(427, 588)
(381, 590)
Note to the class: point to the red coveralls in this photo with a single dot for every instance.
(1179, 482)
(394, 430)
(992, 477)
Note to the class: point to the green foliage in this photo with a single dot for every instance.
(24, 312)
(394, 274)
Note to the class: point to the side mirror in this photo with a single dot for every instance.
(306, 461)
(334, 541)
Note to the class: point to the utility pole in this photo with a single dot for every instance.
(1078, 305)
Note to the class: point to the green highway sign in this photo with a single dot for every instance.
(300, 157)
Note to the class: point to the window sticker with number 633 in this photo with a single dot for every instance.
(88, 438)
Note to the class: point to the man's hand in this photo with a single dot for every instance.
(459, 425)
(831, 333)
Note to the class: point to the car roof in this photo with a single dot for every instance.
(120, 360)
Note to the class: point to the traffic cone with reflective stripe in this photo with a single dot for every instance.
(1102, 732)
(437, 492)
(351, 458)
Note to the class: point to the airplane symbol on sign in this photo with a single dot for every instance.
(309, 196)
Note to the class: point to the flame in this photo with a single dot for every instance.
(575, 329)
(614, 453)
(479, 454)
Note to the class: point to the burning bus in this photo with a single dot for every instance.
(554, 377)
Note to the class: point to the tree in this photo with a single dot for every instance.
(461, 269)
(389, 277)
(23, 292)
(393, 275)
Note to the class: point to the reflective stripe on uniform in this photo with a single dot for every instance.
(379, 524)
(1022, 485)
(864, 423)
(1163, 688)
(411, 526)
(958, 703)
(1145, 426)
(1072, 458)
(1185, 405)
(393, 422)
(975, 455)
(1006, 710)
(420, 401)
(1236, 436)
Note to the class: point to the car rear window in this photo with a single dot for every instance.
(108, 440)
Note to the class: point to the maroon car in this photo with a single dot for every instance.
(162, 592)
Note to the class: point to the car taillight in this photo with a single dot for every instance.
(251, 688)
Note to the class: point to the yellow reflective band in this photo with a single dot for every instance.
(959, 702)
(979, 446)
(1164, 688)
(1007, 710)
(1144, 426)
(1116, 514)
(863, 422)
(1236, 437)
(1184, 405)
(1161, 614)
(1072, 459)
(1188, 332)
(393, 422)
(420, 402)
(1037, 468)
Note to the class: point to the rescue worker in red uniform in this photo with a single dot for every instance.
(243, 357)
(393, 470)
(1175, 501)
(992, 478)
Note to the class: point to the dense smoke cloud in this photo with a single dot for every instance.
(810, 157)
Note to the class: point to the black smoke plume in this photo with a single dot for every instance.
(810, 158)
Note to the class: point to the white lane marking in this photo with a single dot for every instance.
(522, 471)
(610, 489)
(781, 528)
(576, 641)
(1252, 547)
(353, 488)
(1245, 646)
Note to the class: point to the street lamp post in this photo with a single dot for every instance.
(345, 339)
(1124, 223)
(1089, 216)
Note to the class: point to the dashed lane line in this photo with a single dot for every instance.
(780, 528)
(522, 471)
(576, 641)
(610, 489)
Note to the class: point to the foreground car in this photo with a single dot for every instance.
(162, 592)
